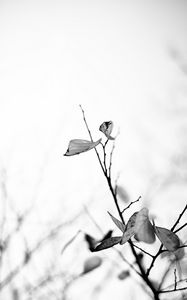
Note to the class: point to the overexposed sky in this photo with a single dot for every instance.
(123, 61)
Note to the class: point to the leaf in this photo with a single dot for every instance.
(92, 242)
(123, 275)
(78, 146)
(108, 243)
(144, 230)
(106, 128)
(122, 194)
(118, 223)
(107, 235)
(168, 238)
(130, 229)
(91, 264)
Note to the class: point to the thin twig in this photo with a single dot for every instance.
(132, 202)
(153, 260)
(178, 220)
(175, 279)
(84, 118)
(111, 156)
(177, 230)
(143, 250)
(165, 276)
(173, 290)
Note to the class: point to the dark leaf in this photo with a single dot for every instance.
(108, 243)
(107, 235)
(92, 242)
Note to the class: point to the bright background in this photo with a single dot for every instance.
(124, 61)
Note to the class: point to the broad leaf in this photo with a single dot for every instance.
(79, 146)
(168, 238)
(144, 230)
(118, 223)
(106, 128)
(91, 264)
(108, 243)
(130, 229)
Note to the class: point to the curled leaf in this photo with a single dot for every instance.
(118, 223)
(144, 230)
(106, 128)
(108, 243)
(168, 238)
(130, 229)
(78, 146)
(91, 264)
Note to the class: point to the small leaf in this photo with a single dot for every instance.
(106, 128)
(78, 146)
(91, 264)
(144, 230)
(123, 275)
(92, 242)
(168, 238)
(107, 235)
(130, 229)
(122, 194)
(118, 223)
(108, 243)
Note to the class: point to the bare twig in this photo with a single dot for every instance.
(92, 139)
(149, 254)
(180, 228)
(175, 279)
(178, 220)
(132, 202)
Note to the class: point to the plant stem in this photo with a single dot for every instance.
(143, 274)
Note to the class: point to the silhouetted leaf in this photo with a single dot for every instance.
(123, 275)
(106, 128)
(92, 242)
(168, 238)
(130, 229)
(108, 243)
(78, 146)
(107, 235)
(144, 230)
(118, 223)
(91, 264)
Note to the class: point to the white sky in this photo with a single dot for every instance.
(113, 58)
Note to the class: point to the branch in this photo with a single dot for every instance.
(178, 220)
(130, 204)
(108, 178)
(92, 139)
